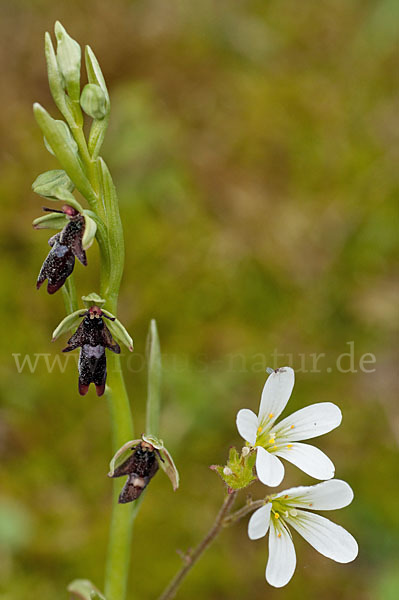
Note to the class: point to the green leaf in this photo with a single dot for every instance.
(153, 350)
(56, 136)
(50, 221)
(85, 590)
(47, 184)
(93, 101)
(114, 226)
(68, 324)
(68, 60)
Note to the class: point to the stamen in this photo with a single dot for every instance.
(271, 415)
(292, 426)
(289, 446)
(279, 535)
(276, 515)
(271, 441)
(259, 429)
(311, 504)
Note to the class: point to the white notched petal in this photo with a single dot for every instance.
(259, 522)
(328, 495)
(276, 393)
(309, 459)
(269, 468)
(282, 560)
(309, 422)
(326, 537)
(247, 424)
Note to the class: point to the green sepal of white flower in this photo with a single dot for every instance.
(47, 184)
(93, 299)
(99, 126)
(70, 322)
(58, 137)
(85, 590)
(89, 232)
(167, 464)
(68, 60)
(238, 472)
(93, 101)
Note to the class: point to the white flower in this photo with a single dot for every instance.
(273, 440)
(326, 537)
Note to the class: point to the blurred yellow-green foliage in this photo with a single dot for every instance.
(254, 144)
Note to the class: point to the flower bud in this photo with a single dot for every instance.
(93, 101)
(68, 59)
(238, 472)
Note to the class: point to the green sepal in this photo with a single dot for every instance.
(167, 464)
(153, 352)
(121, 455)
(93, 101)
(69, 323)
(89, 232)
(239, 470)
(93, 299)
(119, 331)
(99, 127)
(85, 590)
(47, 184)
(56, 136)
(50, 221)
(68, 60)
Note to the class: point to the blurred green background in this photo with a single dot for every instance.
(254, 145)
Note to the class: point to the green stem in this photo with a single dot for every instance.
(118, 557)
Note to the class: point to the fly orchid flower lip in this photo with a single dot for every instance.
(287, 509)
(273, 441)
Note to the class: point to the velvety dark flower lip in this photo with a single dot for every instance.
(92, 337)
(140, 466)
(65, 246)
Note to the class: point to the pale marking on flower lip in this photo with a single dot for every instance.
(139, 482)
